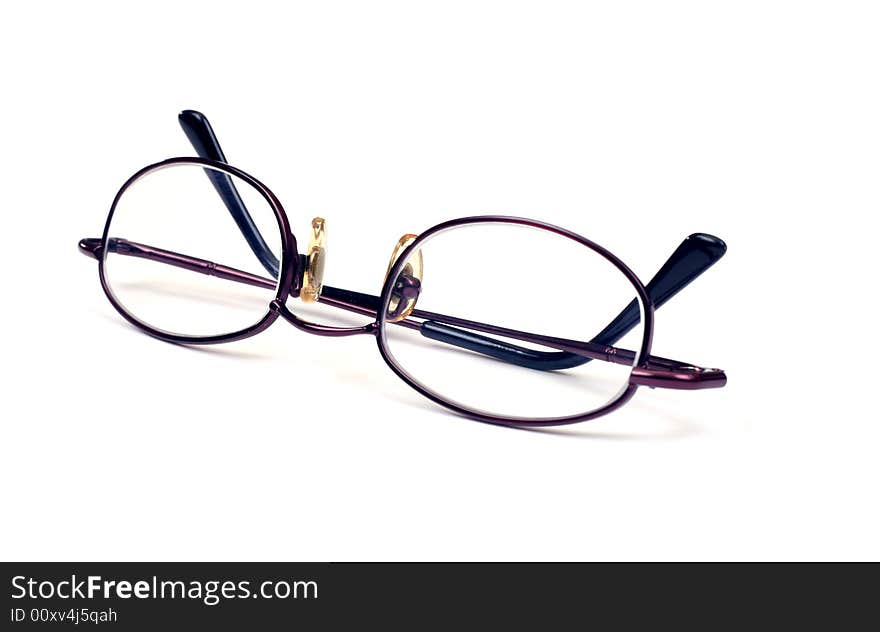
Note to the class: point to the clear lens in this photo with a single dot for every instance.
(176, 210)
(520, 278)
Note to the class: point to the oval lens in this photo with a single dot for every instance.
(489, 299)
(176, 260)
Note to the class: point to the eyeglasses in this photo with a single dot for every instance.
(501, 319)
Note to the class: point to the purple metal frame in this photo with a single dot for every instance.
(647, 370)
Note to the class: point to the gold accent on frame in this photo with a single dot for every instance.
(313, 275)
(413, 270)
(402, 243)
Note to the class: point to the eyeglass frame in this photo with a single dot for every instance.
(647, 370)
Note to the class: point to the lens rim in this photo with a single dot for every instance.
(287, 272)
(646, 309)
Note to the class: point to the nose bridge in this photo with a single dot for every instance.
(317, 328)
(405, 290)
(312, 284)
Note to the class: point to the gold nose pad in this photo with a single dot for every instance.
(313, 275)
(408, 283)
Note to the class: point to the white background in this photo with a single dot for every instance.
(633, 124)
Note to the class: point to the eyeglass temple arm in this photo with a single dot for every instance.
(658, 371)
(199, 132)
(694, 255)
(92, 246)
